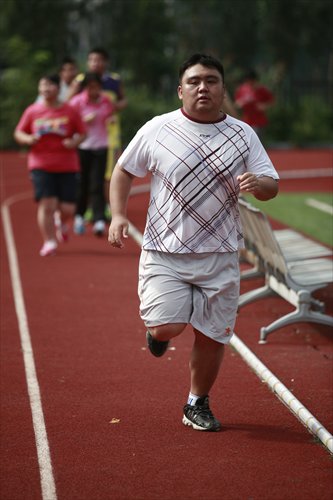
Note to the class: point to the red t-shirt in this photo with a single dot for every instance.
(52, 126)
(248, 97)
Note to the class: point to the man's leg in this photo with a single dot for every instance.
(84, 182)
(205, 362)
(67, 211)
(163, 333)
(158, 337)
(64, 214)
(45, 217)
(98, 165)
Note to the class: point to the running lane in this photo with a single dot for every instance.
(113, 412)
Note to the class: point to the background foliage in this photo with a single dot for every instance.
(288, 42)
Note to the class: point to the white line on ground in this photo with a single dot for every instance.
(43, 452)
(319, 205)
(306, 173)
(287, 397)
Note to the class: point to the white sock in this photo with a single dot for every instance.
(192, 399)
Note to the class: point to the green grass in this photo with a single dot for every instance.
(291, 209)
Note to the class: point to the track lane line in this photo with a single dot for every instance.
(283, 393)
(319, 205)
(265, 375)
(48, 487)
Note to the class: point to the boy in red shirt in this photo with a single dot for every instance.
(53, 131)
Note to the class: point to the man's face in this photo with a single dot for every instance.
(48, 89)
(68, 72)
(96, 63)
(94, 90)
(202, 92)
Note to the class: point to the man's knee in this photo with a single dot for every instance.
(207, 342)
(168, 331)
(67, 209)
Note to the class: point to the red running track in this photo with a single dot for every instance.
(113, 412)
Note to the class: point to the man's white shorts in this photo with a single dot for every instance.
(200, 289)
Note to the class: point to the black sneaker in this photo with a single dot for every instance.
(200, 416)
(156, 347)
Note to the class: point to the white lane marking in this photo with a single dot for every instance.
(43, 452)
(306, 173)
(287, 397)
(319, 205)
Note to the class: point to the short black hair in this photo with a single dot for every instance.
(91, 77)
(68, 60)
(53, 78)
(204, 60)
(101, 51)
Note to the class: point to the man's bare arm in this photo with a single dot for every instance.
(263, 188)
(120, 186)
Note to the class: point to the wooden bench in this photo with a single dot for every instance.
(293, 268)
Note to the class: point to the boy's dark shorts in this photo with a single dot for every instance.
(62, 186)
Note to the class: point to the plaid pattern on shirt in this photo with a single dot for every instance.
(194, 189)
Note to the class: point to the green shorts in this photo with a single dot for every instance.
(200, 289)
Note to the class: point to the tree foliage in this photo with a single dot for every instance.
(288, 42)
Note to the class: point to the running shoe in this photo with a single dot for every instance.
(200, 416)
(99, 228)
(49, 248)
(156, 347)
(79, 226)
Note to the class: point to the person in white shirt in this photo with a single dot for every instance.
(199, 159)
(67, 73)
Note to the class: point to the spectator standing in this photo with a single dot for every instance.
(254, 99)
(199, 160)
(53, 130)
(95, 109)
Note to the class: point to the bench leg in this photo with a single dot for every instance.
(302, 314)
(251, 273)
(258, 293)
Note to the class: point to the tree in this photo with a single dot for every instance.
(288, 42)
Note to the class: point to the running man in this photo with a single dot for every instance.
(199, 159)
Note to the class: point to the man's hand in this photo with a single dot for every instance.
(248, 182)
(263, 188)
(118, 231)
(73, 142)
(26, 139)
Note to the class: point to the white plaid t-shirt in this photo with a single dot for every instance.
(194, 192)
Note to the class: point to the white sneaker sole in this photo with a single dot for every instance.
(188, 422)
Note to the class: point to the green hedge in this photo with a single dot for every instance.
(308, 122)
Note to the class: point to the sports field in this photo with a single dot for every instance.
(87, 413)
